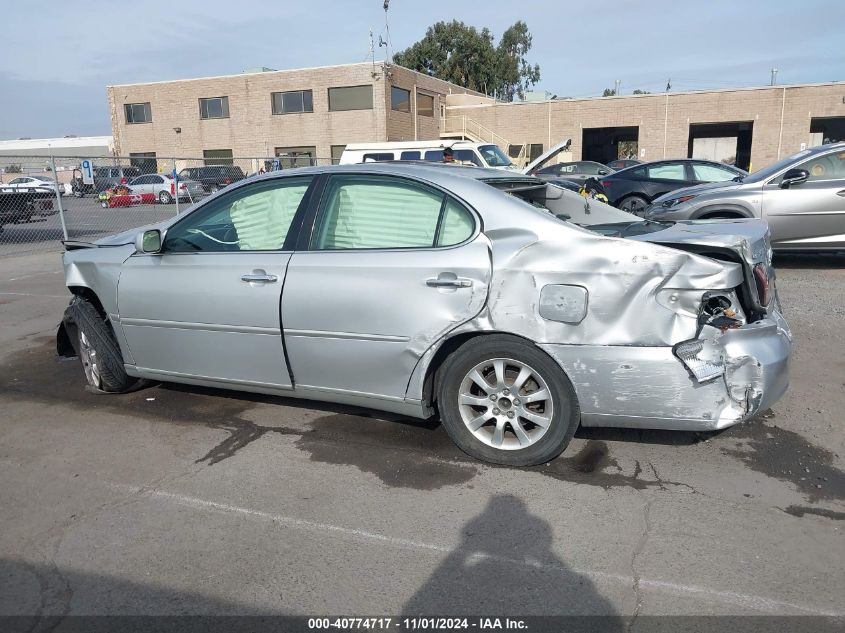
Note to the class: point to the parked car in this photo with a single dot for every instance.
(163, 187)
(213, 177)
(577, 171)
(20, 205)
(439, 289)
(466, 152)
(634, 188)
(623, 163)
(106, 178)
(31, 183)
(802, 197)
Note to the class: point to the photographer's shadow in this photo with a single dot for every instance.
(505, 566)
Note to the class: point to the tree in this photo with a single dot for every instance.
(456, 52)
(641, 92)
(609, 92)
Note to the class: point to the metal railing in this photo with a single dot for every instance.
(44, 200)
(471, 129)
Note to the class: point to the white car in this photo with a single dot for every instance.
(30, 183)
(163, 187)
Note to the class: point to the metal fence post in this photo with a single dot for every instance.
(175, 186)
(58, 196)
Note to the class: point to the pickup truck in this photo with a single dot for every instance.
(20, 206)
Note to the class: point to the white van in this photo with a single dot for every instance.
(464, 152)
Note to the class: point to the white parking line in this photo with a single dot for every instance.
(51, 272)
(757, 603)
(32, 294)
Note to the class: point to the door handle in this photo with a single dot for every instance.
(448, 282)
(841, 193)
(259, 276)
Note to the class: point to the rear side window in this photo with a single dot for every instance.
(457, 225)
(365, 212)
(410, 156)
(434, 154)
(672, 171)
(378, 157)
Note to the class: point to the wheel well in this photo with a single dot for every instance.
(713, 215)
(429, 393)
(90, 296)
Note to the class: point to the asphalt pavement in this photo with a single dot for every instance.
(184, 500)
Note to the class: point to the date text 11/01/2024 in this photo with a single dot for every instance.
(415, 624)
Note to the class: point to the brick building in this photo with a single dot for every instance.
(301, 114)
(313, 113)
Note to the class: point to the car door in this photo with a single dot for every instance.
(810, 214)
(392, 265)
(207, 306)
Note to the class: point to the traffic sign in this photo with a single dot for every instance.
(87, 172)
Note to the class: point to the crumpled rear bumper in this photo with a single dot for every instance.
(650, 388)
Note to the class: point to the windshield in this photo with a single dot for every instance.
(771, 170)
(494, 157)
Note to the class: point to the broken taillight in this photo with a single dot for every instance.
(761, 278)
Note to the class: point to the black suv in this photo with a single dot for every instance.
(213, 177)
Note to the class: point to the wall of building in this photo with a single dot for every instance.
(252, 130)
(781, 117)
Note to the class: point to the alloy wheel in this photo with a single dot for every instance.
(505, 404)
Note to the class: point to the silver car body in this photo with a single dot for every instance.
(805, 216)
(158, 183)
(366, 327)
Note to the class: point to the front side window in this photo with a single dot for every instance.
(252, 218)
(138, 113)
(214, 108)
(672, 171)
(366, 212)
(400, 99)
(292, 102)
(351, 98)
(825, 167)
(467, 156)
(712, 173)
(425, 104)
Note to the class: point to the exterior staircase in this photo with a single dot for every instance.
(466, 129)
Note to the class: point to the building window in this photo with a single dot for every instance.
(217, 157)
(138, 113)
(292, 102)
(337, 152)
(535, 150)
(400, 99)
(144, 161)
(214, 108)
(351, 98)
(286, 157)
(425, 104)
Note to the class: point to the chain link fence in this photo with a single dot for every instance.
(44, 200)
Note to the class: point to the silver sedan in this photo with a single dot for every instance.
(164, 187)
(513, 309)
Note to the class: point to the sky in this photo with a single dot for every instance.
(57, 59)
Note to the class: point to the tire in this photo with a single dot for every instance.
(214, 189)
(462, 401)
(78, 193)
(98, 351)
(164, 197)
(633, 204)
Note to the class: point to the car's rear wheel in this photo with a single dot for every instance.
(633, 204)
(164, 197)
(98, 351)
(502, 400)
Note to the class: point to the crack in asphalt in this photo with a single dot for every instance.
(635, 574)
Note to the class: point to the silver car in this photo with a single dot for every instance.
(164, 186)
(478, 295)
(802, 197)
